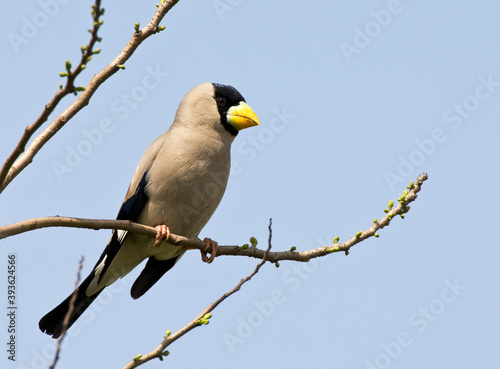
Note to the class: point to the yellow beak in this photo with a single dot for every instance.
(242, 116)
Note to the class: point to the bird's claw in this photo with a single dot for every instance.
(212, 246)
(162, 234)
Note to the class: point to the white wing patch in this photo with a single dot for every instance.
(121, 235)
(93, 286)
(98, 269)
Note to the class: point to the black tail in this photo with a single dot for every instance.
(152, 272)
(52, 322)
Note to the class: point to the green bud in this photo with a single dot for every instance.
(165, 353)
(375, 220)
(121, 66)
(410, 187)
(359, 234)
(60, 87)
(169, 332)
(402, 216)
(137, 357)
(386, 210)
(80, 88)
(160, 357)
(277, 264)
(336, 239)
(159, 29)
(207, 316)
(346, 252)
(391, 215)
(83, 67)
(89, 58)
(136, 27)
(99, 39)
(83, 48)
(333, 249)
(376, 235)
(406, 209)
(293, 248)
(253, 241)
(391, 204)
(96, 51)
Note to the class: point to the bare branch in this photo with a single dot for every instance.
(201, 319)
(177, 240)
(68, 314)
(83, 100)
(58, 221)
(87, 52)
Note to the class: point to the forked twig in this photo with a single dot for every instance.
(201, 319)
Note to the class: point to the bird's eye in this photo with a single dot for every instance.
(220, 101)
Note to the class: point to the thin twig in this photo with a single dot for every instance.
(177, 240)
(68, 314)
(201, 319)
(83, 100)
(69, 88)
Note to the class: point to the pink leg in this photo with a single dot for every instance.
(163, 234)
(213, 250)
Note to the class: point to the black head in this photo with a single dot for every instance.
(226, 97)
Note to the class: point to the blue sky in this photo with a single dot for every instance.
(355, 100)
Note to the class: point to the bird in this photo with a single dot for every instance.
(176, 187)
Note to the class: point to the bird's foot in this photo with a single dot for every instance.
(212, 246)
(162, 234)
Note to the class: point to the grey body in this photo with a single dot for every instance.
(187, 173)
(179, 183)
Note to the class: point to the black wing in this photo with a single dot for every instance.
(52, 322)
(129, 210)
